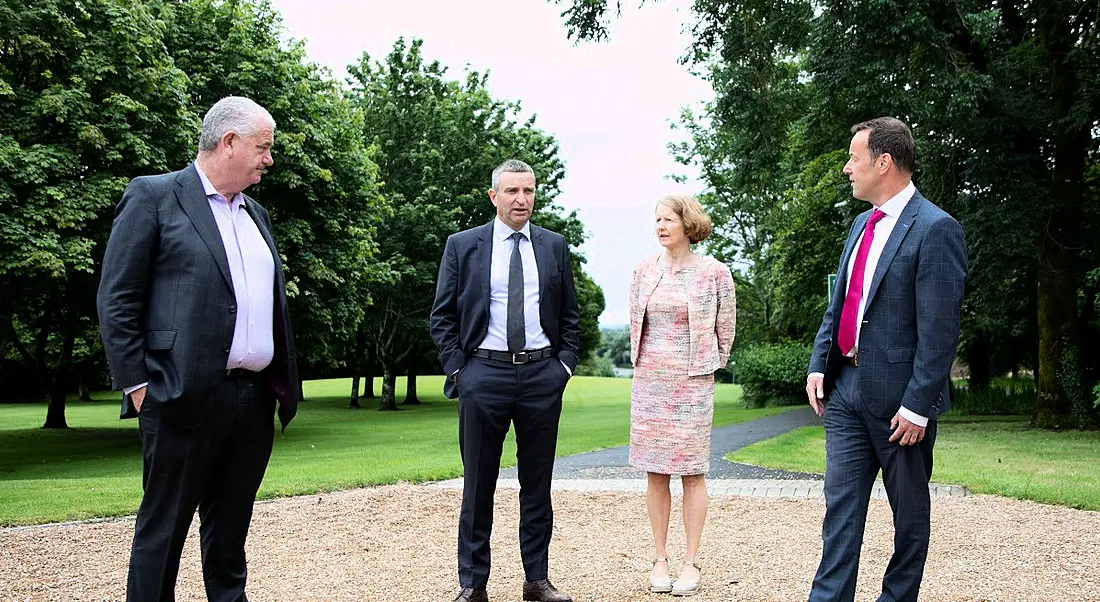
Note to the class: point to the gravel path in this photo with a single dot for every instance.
(397, 543)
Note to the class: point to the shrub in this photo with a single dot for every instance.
(1012, 397)
(597, 366)
(772, 374)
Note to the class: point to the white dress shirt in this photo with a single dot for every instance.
(892, 210)
(252, 269)
(253, 272)
(497, 337)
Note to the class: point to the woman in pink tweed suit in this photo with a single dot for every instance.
(682, 318)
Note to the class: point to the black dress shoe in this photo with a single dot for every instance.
(543, 591)
(469, 594)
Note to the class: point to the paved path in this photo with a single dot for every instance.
(609, 469)
(613, 463)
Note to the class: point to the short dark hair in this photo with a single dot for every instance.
(889, 135)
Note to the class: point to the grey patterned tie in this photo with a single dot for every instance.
(517, 340)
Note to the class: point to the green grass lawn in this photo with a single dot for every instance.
(999, 456)
(94, 468)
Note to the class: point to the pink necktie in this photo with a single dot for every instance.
(846, 338)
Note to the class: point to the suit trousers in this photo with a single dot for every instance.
(493, 394)
(856, 446)
(215, 467)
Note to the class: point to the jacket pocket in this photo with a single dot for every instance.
(160, 339)
(900, 356)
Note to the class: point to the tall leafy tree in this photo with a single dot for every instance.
(438, 140)
(1004, 99)
(89, 98)
(321, 191)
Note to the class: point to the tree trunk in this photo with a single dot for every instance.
(979, 362)
(410, 388)
(389, 381)
(354, 402)
(368, 387)
(1059, 356)
(58, 381)
(83, 389)
(55, 411)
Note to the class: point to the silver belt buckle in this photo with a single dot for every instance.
(521, 357)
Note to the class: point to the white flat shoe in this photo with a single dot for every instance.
(659, 585)
(680, 588)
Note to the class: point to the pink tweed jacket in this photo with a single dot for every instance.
(712, 313)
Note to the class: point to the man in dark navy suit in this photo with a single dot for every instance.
(506, 322)
(880, 369)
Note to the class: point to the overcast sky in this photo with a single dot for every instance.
(608, 104)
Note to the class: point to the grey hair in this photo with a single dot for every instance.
(232, 113)
(510, 166)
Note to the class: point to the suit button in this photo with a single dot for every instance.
(232, 309)
(225, 349)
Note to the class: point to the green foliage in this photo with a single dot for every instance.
(1016, 398)
(772, 374)
(1002, 101)
(322, 191)
(615, 345)
(596, 366)
(89, 98)
(438, 140)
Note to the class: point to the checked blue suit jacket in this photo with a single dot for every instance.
(910, 329)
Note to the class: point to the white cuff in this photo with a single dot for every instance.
(566, 368)
(129, 390)
(813, 374)
(917, 419)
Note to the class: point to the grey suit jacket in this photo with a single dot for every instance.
(910, 329)
(166, 302)
(460, 314)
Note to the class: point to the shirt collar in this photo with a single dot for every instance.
(208, 187)
(502, 231)
(897, 203)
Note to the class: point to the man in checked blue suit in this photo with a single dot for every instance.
(880, 370)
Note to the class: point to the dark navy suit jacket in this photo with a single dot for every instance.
(460, 315)
(910, 329)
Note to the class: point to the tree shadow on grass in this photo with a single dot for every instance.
(67, 453)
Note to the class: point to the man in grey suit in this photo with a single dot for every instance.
(880, 369)
(193, 316)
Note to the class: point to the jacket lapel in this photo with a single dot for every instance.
(485, 261)
(263, 231)
(905, 222)
(192, 198)
(543, 260)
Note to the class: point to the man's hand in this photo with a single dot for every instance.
(905, 432)
(815, 392)
(138, 397)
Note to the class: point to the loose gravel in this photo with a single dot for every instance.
(397, 544)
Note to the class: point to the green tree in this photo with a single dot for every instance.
(438, 141)
(321, 191)
(1003, 100)
(89, 98)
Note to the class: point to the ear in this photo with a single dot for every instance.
(493, 196)
(229, 139)
(884, 162)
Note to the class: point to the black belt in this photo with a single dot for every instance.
(851, 361)
(522, 357)
(241, 373)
